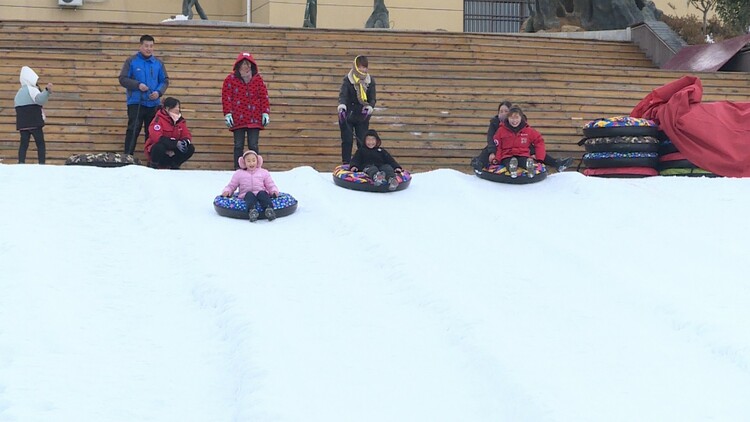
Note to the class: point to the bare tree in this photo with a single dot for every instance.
(704, 6)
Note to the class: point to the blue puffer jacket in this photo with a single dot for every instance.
(150, 71)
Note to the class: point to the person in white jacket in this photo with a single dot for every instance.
(30, 114)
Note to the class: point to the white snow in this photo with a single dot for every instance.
(125, 297)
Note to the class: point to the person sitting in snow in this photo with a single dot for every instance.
(30, 114)
(488, 153)
(169, 142)
(376, 162)
(255, 186)
(514, 140)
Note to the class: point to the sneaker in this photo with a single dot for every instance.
(392, 183)
(530, 167)
(513, 167)
(270, 214)
(253, 215)
(379, 178)
(564, 163)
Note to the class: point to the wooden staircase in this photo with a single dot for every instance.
(436, 90)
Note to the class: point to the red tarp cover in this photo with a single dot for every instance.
(713, 136)
(706, 57)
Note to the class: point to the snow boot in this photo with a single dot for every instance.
(392, 184)
(253, 215)
(530, 167)
(564, 163)
(379, 178)
(270, 214)
(513, 167)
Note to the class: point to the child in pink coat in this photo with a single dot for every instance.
(255, 186)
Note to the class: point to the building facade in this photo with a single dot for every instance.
(431, 15)
(678, 8)
(403, 14)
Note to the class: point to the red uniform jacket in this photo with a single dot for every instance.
(519, 143)
(164, 126)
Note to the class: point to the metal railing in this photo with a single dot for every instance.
(494, 15)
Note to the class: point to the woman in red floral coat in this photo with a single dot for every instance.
(244, 99)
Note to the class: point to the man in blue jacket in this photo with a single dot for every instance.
(145, 79)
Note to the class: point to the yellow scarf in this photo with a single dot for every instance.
(360, 81)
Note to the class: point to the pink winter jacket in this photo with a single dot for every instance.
(252, 180)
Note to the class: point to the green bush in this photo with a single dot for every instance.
(689, 28)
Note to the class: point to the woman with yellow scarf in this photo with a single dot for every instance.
(356, 103)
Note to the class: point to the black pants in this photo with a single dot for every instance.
(551, 161)
(483, 159)
(240, 135)
(263, 197)
(138, 116)
(385, 168)
(41, 149)
(160, 158)
(348, 131)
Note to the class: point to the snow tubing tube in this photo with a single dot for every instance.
(102, 159)
(694, 172)
(235, 207)
(620, 126)
(667, 147)
(595, 160)
(499, 173)
(675, 160)
(622, 144)
(622, 172)
(358, 180)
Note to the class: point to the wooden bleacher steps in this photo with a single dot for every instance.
(436, 90)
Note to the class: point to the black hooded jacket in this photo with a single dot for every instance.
(376, 156)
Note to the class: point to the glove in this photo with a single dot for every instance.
(342, 113)
(265, 119)
(182, 145)
(367, 110)
(228, 119)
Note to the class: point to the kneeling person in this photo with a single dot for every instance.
(169, 142)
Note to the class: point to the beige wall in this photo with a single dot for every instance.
(353, 14)
(132, 11)
(678, 8)
(342, 14)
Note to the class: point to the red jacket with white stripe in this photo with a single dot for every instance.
(510, 143)
(164, 126)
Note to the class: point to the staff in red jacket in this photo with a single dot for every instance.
(244, 100)
(514, 139)
(169, 142)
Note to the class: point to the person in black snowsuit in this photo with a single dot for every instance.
(376, 162)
